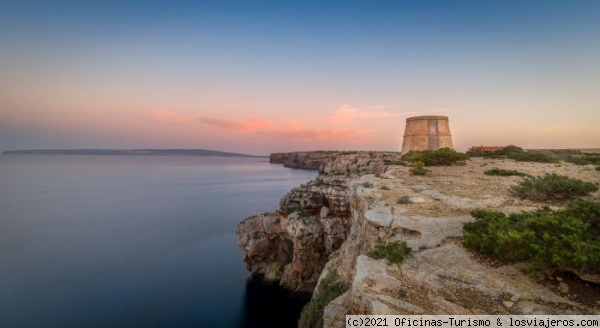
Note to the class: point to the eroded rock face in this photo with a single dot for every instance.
(263, 248)
(290, 248)
(302, 160)
(293, 244)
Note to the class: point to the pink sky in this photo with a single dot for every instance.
(294, 78)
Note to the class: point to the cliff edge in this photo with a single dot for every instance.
(308, 160)
(362, 199)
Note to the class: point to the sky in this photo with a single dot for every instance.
(267, 76)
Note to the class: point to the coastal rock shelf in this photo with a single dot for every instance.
(359, 200)
(302, 160)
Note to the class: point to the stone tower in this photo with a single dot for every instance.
(426, 133)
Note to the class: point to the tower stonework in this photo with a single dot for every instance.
(426, 133)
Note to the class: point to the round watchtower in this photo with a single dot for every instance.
(426, 133)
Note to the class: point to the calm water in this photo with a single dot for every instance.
(100, 241)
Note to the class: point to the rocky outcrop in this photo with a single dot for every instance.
(360, 200)
(293, 244)
(302, 159)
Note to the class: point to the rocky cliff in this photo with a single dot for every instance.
(308, 160)
(362, 199)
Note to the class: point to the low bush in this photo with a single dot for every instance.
(330, 288)
(440, 157)
(533, 157)
(393, 251)
(584, 159)
(565, 240)
(502, 172)
(518, 154)
(367, 184)
(419, 168)
(552, 186)
(505, 152)
(419, 171)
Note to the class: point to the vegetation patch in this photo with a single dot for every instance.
(533, 157)
(440, 157)
(552, 186)
(584, 159)
(565, 240)
(515, 153)
(393, 251)
(367, 184)
(330, 288)
(301, 211)
(419, 168)
(505, 173)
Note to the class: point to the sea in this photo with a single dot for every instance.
(118, 241)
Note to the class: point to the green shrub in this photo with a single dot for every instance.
(419, 168)
(520, 155)
(533, 157)
(505, 152)
(384, 187)
(368, 184)
(393, 251)
(584, 159)
(330, 288)
(440, 157)
(552, 186)
(301, 211)
(598, 168)
(502, 172)
(564, 240)
(419, 171)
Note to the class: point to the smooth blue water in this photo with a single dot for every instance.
(101, 241)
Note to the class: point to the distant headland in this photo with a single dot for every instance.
(128, 152)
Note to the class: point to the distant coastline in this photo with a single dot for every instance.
(128, 152)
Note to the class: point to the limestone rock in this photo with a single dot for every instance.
(411, 200)
(302, 160)
(324, 212)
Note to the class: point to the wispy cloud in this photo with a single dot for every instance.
(311, 135)
(346, 114)
(250, 125)
(155, 115)
(169, 117)
(292, 131)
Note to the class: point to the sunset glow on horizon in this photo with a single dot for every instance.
(270, 76)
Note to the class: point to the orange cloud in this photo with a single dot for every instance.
(168, 117)
(311, 135)
(157, 115)
(251, 125)
(291, 131)
(346, 114)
